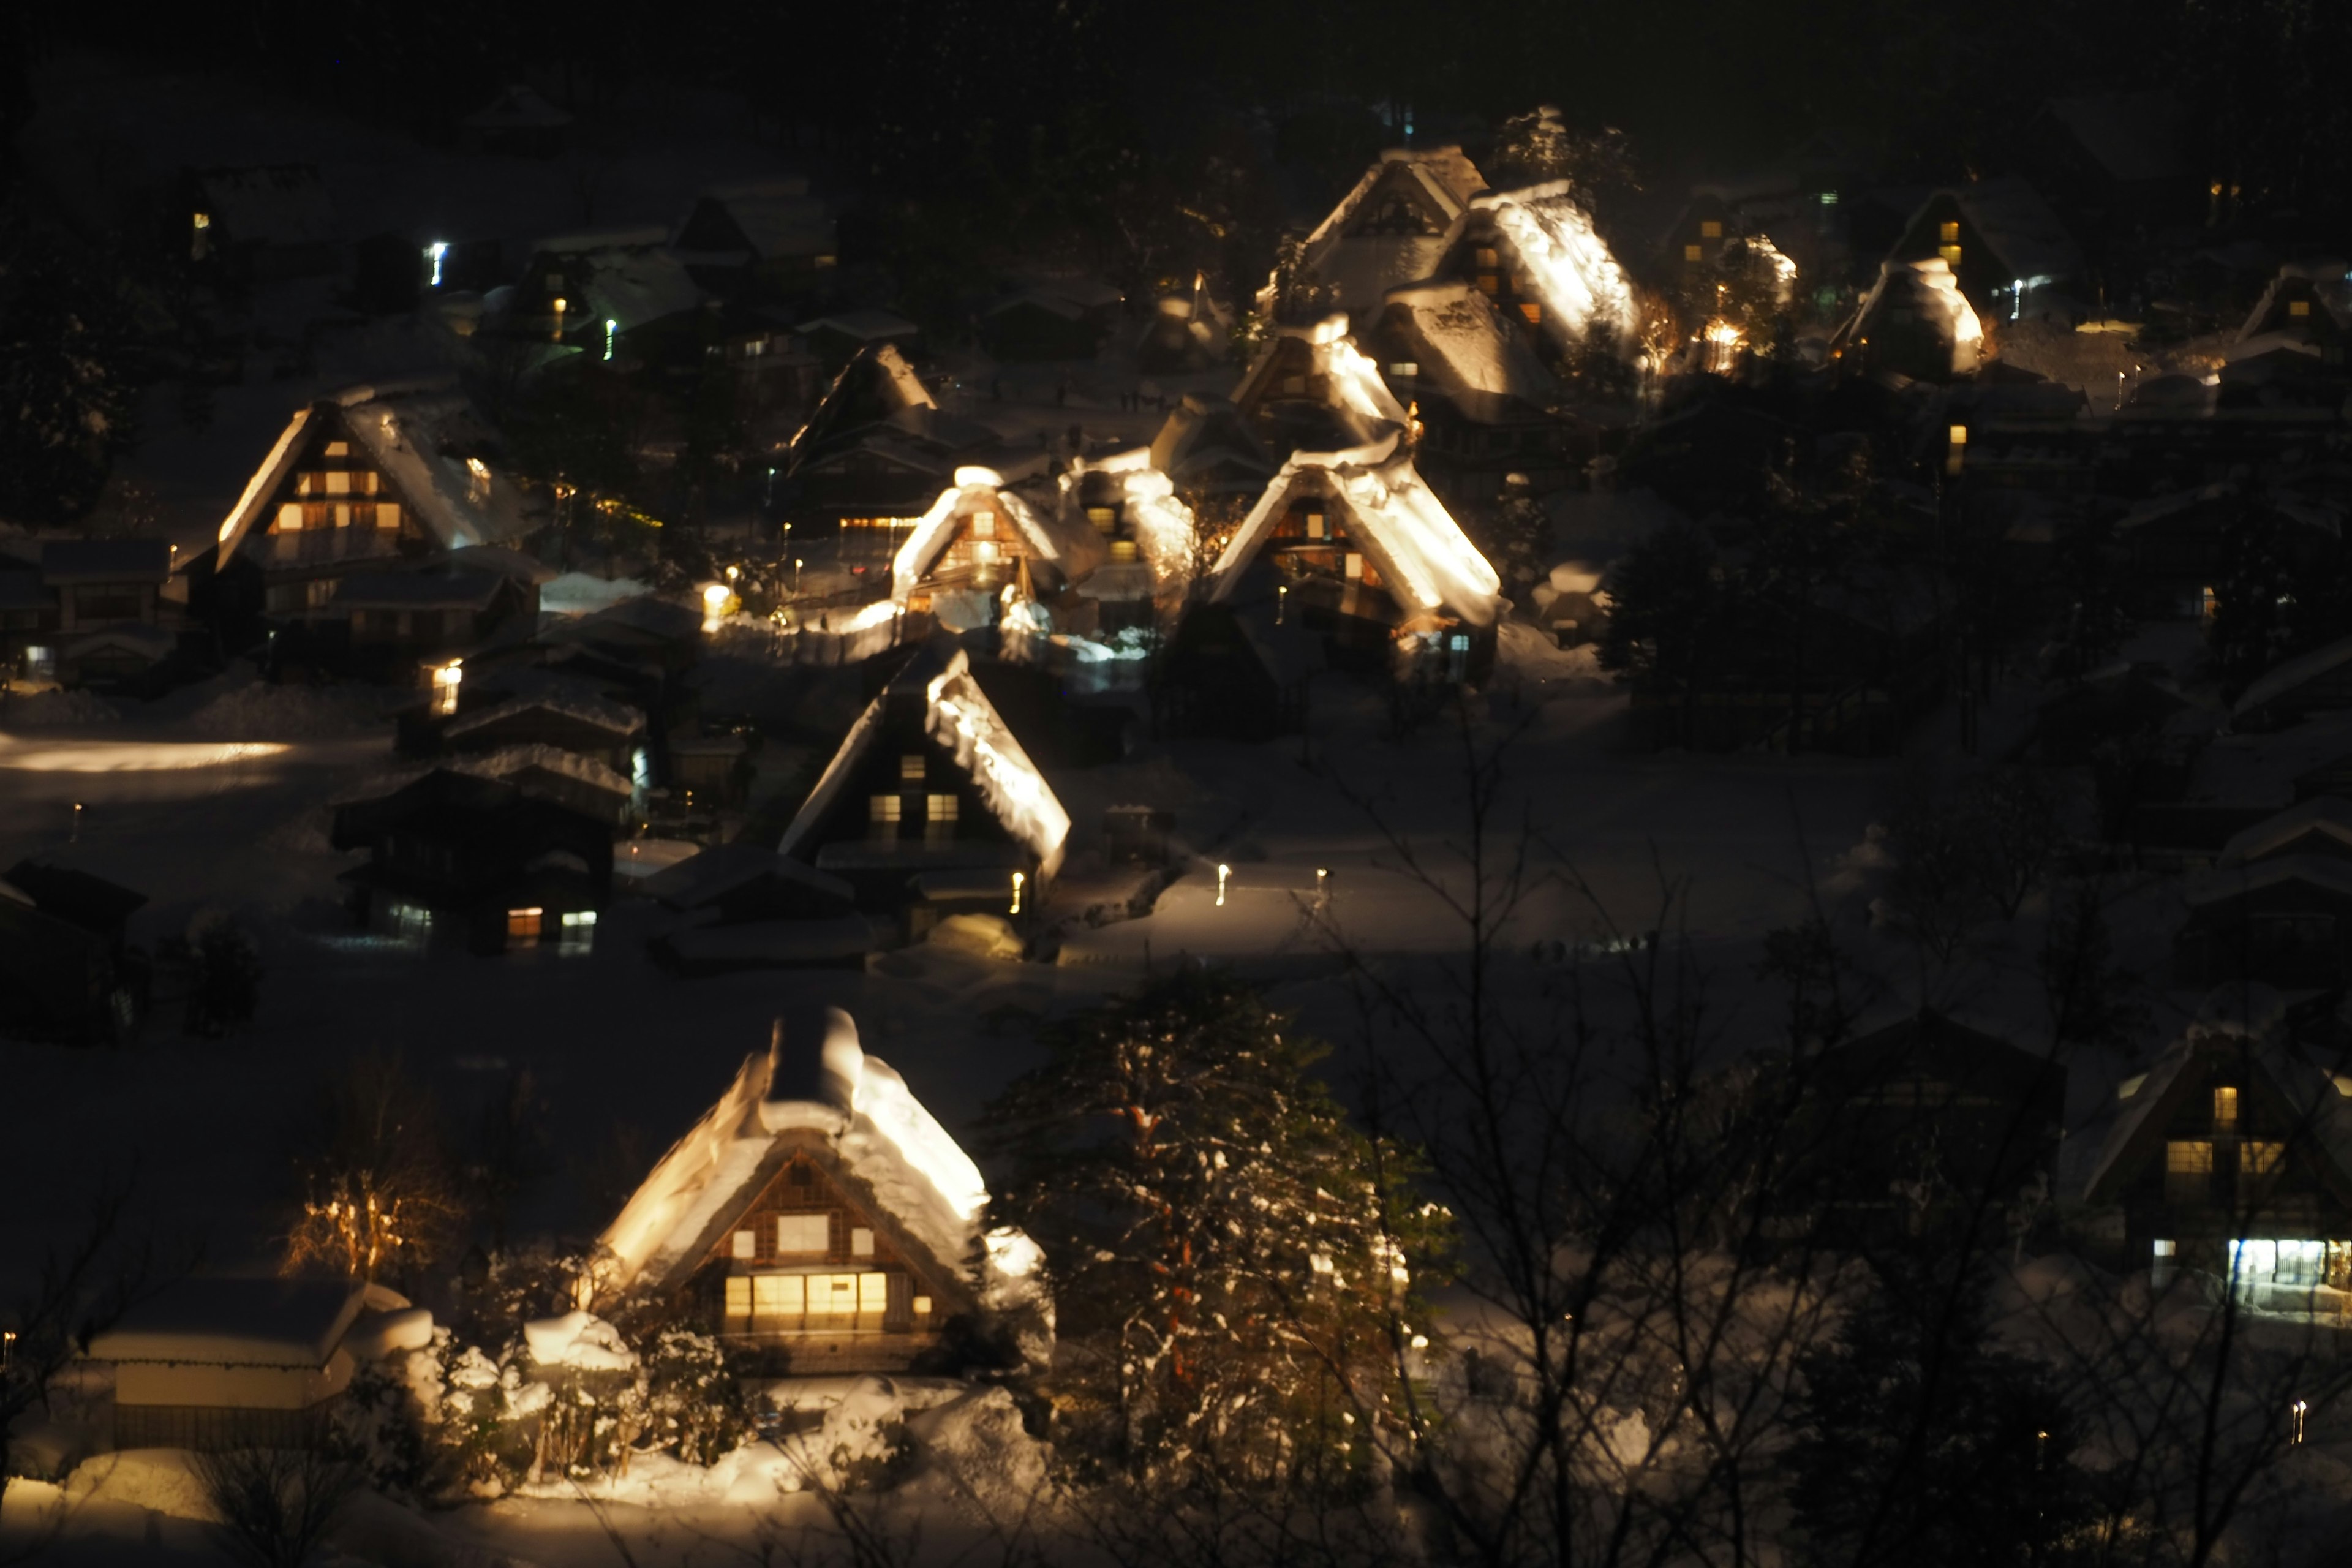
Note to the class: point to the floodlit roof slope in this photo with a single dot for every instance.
(1563, 261)
(815, 1081)
(2013, 218)
(2299, 670)
(1425, 559)
(1164, 530)
(2329, 281)
(627, 276)
(1932, 295)
(1064, 548)
(1352, 383)
(959, 717)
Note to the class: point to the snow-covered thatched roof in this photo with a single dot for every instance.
(2297, 671)
(1069, 550)
(816, 1086)
(1331, 369)
(2323, 816)
(1424, 559)
(1563, 261)
(2225, 883)
(2011, 217)
(705, 878)
(2248, 1022)
(1460, 343)
(2327, 280)
(1353, 265)
(1202, 434)
(959, 717)
(424, 437)
(275, 204)
(775, 220)
(628, 276)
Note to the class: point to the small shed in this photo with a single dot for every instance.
(218, 1364)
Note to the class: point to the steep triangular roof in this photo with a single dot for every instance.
(877, 384)
(1354, 260)
(1162, 526)
(1071, 551)
(815, 1090)
(426, 438)
(2322, 814)
(1425, 559)
(2246, 1024)
(959, 717)
(2297, 671)
(1204, 431)
(1352, 383)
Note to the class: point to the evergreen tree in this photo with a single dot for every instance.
(1229, 1257)
(2280, 594)
(68, 381)
(1923, 1443)
(1670, 605)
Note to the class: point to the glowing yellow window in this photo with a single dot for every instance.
(983, 525)
(522, 925)
(2298, 307)
(1314, 525)
(1533, 312)
(1487, 257)
(1710, 229)
(739, 1296)
(387, 514)
(1949, 234)
(910, 767)
(747, 1244)
(833, 1295)
(2225, 1108)
(339, 449)
(1693, 253)
(2188, 1157)
(776, 1295)
(804, 1233)
(2257, 1158)
(1103, 518)
(881, 809)
(1950, 253)
(939, 808)
(1488, 282)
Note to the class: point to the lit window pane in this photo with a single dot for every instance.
(804, 1233)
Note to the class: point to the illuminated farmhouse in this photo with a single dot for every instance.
(819, 1219)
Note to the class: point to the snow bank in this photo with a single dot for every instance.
(983, 936)
(158, 1478)
(976, 1448)
(263, 711)
(581, 1340)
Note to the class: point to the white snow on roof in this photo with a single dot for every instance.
(410, 432)
(882, 1135)
(1163, 526)
(720, 869)
(1353, 270)
(2296, 672)
(2328, 280)
(2326, 872)
(1929, 289)
(778, 218)
(236, 1322)
(2323, 813)
(581, 1340)
(1427, 562)
(2025, 236)
(1563, 260)
(627, 276)
(973, 486)
(964, 722)
(1465, 346)
(830, 784)
(619, 718)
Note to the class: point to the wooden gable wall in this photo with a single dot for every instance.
(334, 485)
(984, 542)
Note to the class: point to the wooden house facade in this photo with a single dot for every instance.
(2011, 256)
(878, 449)
(820, 1221)
(1365, 554)
(354, 484)
(1390, 228)
(2230, 1157)
(979, 537)
(2277, 909)
(1535, 255)
(67, 969)
(484, 861)
(930, 806)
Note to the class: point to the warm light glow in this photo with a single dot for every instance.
(129, 756)
(478, 469)
(1223, 872)
(446, 678)
(1563, 259)
(1017, 880)
(434, 252)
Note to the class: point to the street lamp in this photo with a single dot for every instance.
(1017, 880)
(1223, 872)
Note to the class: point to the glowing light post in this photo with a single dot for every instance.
(612, 333)
(2302, 1409)
(434, 253)
(75, 837)
(7, 1347)
(1223, 873)
(714, 605)
(446, 678)
(1322, 888)
(1281, 601)
(1018, 881)
(797, 565)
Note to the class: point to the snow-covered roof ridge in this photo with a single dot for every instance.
(617, 717)
(1445, 173)
(2280, 679)
(815, 1081)
(2331, 284)
(966, 722)
(2229, 882)
(1426, 559)
(2022, 230)
(1931, 290)
(1564, 262)
(934, 531)
(1163, 526)
(2327, 813)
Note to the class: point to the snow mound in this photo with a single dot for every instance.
(581, 1340)
(976, 1448)
(158, 1478)
(263, 711)
(983, 936)
(59, 709)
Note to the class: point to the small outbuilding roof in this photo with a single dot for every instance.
(236, 1322)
